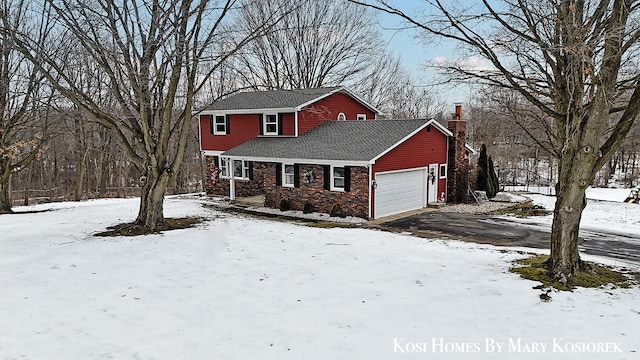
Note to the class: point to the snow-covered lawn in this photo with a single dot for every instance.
(605, 211)
(241, 288)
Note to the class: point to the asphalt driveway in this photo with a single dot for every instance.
(496, 230)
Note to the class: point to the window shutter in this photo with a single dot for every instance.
(280, 124)
(347, 179)
(216, 161)
(296, 175)
(278, 174)
(250, 165)
(261, 117)
(226, 123)
(327, 177)
(211, 124)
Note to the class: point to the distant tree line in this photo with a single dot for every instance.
(100, 99)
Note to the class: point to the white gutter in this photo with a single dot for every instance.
(370, 192)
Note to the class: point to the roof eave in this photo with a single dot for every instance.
(327, 94)
(439, 126)
(248, 111)
(386, 151)
(337, 90)
(297, 160)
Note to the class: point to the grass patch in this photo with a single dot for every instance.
(133, 229)
(523, 210)
(533, 268)
(329, 225)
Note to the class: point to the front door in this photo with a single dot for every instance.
(432, 184)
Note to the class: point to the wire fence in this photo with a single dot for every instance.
(57, 194)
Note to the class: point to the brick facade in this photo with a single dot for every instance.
(458, 172)
(312, 190)
(214, 185)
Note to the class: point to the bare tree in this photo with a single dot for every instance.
(315, 44)
(515, 134)
(388, 86)
(153, 54)
(21, 135)
(576, 61)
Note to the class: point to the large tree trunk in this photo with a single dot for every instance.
(151, 212)
(570, 201)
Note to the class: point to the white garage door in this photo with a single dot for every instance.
(399, 191)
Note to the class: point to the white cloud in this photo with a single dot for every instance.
(471, 63)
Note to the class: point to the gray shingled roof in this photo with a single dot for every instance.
(334, 140)
(276, 99)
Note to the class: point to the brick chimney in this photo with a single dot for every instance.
(458, 167)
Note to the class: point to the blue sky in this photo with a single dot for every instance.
(416, 54)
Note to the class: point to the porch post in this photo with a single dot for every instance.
(232, 180)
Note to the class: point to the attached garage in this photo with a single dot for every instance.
(399, 191)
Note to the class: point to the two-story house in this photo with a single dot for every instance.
(322, 147)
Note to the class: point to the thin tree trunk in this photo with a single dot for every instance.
(80, 175)
(105, 158)
(5, 191)
(120, 182)
(203, 173)
(27, 184)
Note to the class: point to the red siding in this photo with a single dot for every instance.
(205, 132)
(244, 127)
(420, 150)
(328, 109)
(288, 124)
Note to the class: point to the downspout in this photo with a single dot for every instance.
(428, 179)
(295, 121)
(200, 132)
(446, 179)
(370, 166)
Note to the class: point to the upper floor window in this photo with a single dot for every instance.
(342, 117)
(219, 125)
(361, 117)
(270, 124)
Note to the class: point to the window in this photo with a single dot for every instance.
(241, 169)
(289, 175)
(361, 117)
(224, 167)
(443, 171)
(270, 124)
(337, 179)
(342, 117)
(219, 125)
(237, 168)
